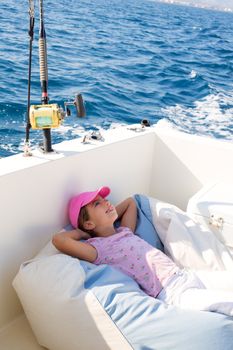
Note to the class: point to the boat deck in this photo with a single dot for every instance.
(160, 163)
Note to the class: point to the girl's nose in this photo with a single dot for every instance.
(107, 202)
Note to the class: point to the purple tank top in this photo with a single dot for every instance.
(148, 266)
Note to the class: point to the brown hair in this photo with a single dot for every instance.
(84, 216)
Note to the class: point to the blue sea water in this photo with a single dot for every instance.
(130, 59)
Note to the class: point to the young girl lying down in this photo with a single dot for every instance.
(93, 217)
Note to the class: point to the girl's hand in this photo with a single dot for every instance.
(85, 235)
(76, 234)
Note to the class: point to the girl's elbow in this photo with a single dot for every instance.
(132, 201)
(56, 240)
(132, 204)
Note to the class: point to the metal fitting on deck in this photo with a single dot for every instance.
(94, 135)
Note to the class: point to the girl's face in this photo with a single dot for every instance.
(101, 213)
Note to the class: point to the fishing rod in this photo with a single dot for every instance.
(31, 35)
(47, 147)
(45, 116)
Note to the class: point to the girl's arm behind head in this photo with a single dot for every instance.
(69, 243)
(127, 213)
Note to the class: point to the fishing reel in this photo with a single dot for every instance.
(47, 116)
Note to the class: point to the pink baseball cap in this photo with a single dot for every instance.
(82, 199)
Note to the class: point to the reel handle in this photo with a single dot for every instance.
(79, 106)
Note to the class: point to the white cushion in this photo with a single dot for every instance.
(62, 313)
(188, 243)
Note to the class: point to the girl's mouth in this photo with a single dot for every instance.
(111, 208)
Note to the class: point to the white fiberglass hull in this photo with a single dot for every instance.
(157, 161)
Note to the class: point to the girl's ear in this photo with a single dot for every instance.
(89, 225)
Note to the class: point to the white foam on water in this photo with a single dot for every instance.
(165, 124)
(63, 129)
(210, 116)
(193, 74)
